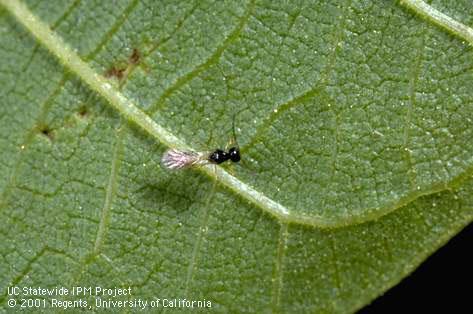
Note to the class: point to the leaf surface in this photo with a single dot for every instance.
(353, 119)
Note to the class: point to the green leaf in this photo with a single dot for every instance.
(353, 117)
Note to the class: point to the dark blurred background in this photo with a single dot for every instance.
(442, 284)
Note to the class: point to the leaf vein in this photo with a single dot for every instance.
(158, 44)
(336, 273)
(113, 30)
(278, 274)
(440, 19)
(28, 138)
(212, 59)
(109, 194)
(66, 14)
(312, 91)
(203, 226)
(132, 113)
(411, 104)
(29, 265)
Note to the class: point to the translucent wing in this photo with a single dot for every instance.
(178, 159)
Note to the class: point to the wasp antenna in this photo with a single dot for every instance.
(233, 127)
(233, 130)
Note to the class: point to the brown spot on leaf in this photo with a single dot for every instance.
(135, 56)
(115, 72)
(83, 111)
(46, 131)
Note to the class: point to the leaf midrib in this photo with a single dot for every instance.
(440, 19)
(70, 59)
